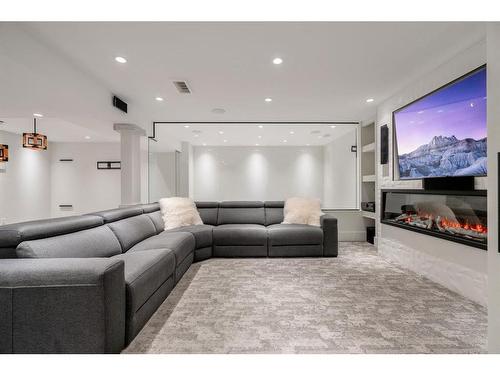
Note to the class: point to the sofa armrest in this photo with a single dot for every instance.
(71, 305)
(330, 235)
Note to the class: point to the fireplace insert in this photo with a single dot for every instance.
(459, 216)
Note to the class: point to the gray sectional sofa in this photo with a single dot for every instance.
(88, 284)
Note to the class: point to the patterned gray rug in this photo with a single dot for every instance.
(356, 303)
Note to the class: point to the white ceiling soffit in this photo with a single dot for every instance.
(169, 136)
(68, 70)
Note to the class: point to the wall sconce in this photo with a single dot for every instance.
(4, 153)
(34, 140)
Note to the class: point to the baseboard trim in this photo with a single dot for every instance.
(352, 236)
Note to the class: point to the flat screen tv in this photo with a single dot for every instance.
(443, 134)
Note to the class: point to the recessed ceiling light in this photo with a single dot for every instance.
(370, 100)
(285, 141)
(260, 137)
(204, 144)
(277, 61)
(332, 126)
(268, 100)
(37, 115)
(87, 137)
(292, 132)
(261, 126)
(186, 126)
(256, 144)
(307, 144)
(225, 140)
(220, 132)
(196, 135)
(120, 59)
(219, 111)
(159, 99)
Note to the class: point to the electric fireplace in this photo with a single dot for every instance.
(459, 216)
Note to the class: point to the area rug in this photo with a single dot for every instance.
(356, 303)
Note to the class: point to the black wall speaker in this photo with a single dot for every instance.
(120, 104)
(384, 144)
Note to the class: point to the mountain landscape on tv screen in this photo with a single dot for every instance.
(445, 156)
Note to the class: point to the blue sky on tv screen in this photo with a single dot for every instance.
(458, 109)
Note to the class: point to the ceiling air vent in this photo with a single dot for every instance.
(182, 87)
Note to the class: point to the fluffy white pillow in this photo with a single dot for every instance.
(179, 212)
(302, 211)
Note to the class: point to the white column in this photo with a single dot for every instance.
(185, 169)
(130, 139)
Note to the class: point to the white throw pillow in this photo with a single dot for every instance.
(179, 212)
(302, 211)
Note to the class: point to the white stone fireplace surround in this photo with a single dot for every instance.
(458, 267)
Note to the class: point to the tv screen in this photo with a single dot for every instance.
(444, 133)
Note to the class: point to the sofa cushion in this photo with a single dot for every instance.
(240, 234)
(274, 212)
(294, 234)
(157, 221)
(202, 234)
(90, 243)
(145, 272)
(208, 212)
(12, 235)
(300, 210)
(180, 243)
(179, 212)
(241, 212)
(132, 230)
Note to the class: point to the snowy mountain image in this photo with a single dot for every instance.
(445, 156)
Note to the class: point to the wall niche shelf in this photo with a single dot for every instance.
(368, 168)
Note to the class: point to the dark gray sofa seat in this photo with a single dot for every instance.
(291, 240)
(149, 278)
(182, 245)
(203, 235)
(240, 240)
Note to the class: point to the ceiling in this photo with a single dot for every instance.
(259, 134)
(67, 70)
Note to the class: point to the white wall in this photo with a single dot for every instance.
(340, 182)
(458, 267)
(257, 173)
(79, 182)
(25, 182)
(493, 225)
(162, 175)
(34, 183)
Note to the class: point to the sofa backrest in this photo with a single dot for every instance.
(89, 243)
(208, 212)
(115, 214)
(132, 230)
(274, 212)
(241, 212)
(13, 234)
(157, 221)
